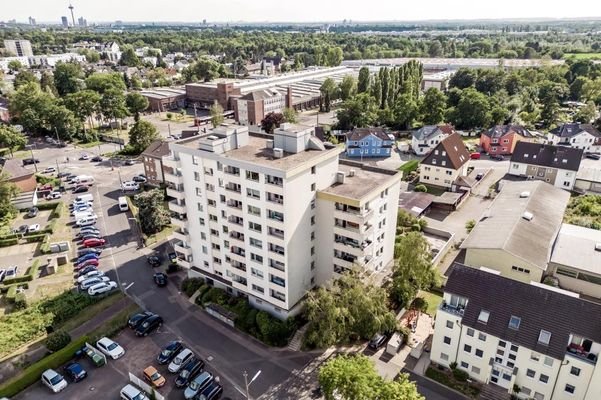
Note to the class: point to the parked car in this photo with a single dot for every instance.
(130, 186)
(101, 288)
(160, 279)
(154, 377)
(377, 341)
(129, 162)
(32, 212)
(2, 274)
(198, 384)
(77, 204)
(89, 230)
(192, 368)
(11, 272)
(148, 325)
(33, 228)
(211, 392)
(90, 236)
(75, 371)
(130, 392)
(53, 380)
(96, 159)
(30, 161)
(138, 318)
(83, 264)
(593, 156)
(63, 174)
(88, 283)
(497, 157)
(180, 360)
(84, 156)
(94, 242)
(110, 348)
(85, 270)
(154, 261)
(80, 189)
(21, 230)
(87, 256)
(80, 209)
(82, 252)
(91, 274)
(475, 156)
(169, 352)
(53, 195)
(49, 170)
(139, 179)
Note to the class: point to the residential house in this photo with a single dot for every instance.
(427, 137)
(579, 136)
(537, 339)
(369, 142)
(445, 163)
(152, 157)
(22, 177)
(557, 165)
(576, 260)
(515, 234)
(502, 139)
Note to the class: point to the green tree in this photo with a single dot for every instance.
(112, 105)
(129, 57)
(92, 56)
(30, 107)
(406, 111)
(272, 121)
(355, 377)
(62, 121)
(142, 134)
(8, 190)
(23, 77)
(14, 66)
(433, 106)
(152, 214)
(102, 81)
(329, 92)
(47, 83)
(364, 80)
(357, 112)
(11, 138)
(435, 49)
(136, 103)
(204, 69)
(591, 90)
(347, 87)
(68, 78)
(463, 78)
(472, 111)
(84, 104)
(216, 115)
(334, 56)
(586, 114)
(290, 115)
(412, 270)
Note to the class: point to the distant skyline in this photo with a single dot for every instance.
(287, 11)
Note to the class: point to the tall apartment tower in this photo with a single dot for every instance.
(20, 48)
(65, 21)
(269, 217)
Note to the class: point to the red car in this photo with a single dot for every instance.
(86, 263)
(93, 242)
(475, 156)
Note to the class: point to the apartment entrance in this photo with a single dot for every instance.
(500, 377)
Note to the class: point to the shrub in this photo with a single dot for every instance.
(469, 225)
(271, 330)
(409, 166)
(460, 375)
(20, 301)
(215, 295)
(8, 242)
(49, 206)
(32, 374)
(58, 210)
(191, 285)
(420, 188)
(57, 340)
(169, 115)
(35, 238)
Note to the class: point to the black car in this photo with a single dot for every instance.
(139, 179)
(96, 159)
(75, 372)
(169, 352)
(136, 319)
(30, 161)
(33, 212)
(160, 279)
(593, 156)
(149, 325)
(85, 270)
(89, 250)
(154, 261)
(377, 341)
(189, 371)
(212, 392)
(80, 189)
(497, 157)
(63, 174)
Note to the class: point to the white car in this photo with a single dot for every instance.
(53, 195)
(49, 170)
(130, 186)
(84, 156)
(101, 288)
(86, 221)
(55, 381)
(130, 392)
(91, 274)
(33, 228)
(110, 348)
(180, 360)
(88, 283)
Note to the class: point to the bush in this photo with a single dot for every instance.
(272, 331)
(10, 236)
(20, 301)
(35, 238)
(469, 225)
(460, 375)
(57, 340)
(58, 210)
(49, 206)
(420, 188)
(409, 166)
(191, 285)
(8, 242)
(215, 295)
(32, 374)
(27, 277)
(51, 226)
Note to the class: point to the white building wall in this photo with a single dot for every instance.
(242, 111)
(540, 364)
(565, 179)
(438, 175)
(584, 141)
(517, 169)
(576, 373)
(423, 147)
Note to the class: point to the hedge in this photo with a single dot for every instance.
(27, 277)
(409, 166)
(50, 227)
(35, 238)
(8, 242)
(11, 236)
(58, 210)
(11, 293)
(190, 285)
(45, 247)
(57, 340)
(32, 373)
(48, 206)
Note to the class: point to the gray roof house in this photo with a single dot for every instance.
(427, 137)
(579, 136)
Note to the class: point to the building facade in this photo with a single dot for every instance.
(557, 165)
(20, 48)
(579, 136)
(247, 209)
(427, 137)
(152, 157)
(502, 139)
(445, 163)
(369, 142)
(251, 108)
(510, 334)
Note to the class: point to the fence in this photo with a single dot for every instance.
(445, 248)
(145, 387)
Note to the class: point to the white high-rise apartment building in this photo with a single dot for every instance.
(271, 216)
(20, 48)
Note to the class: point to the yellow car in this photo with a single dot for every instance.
(153, 376)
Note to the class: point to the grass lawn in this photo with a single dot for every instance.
(88, 313)
(114, 325)
(582, 56)
(89, 145)
(158, 237)
(436, 191)
(433, 299)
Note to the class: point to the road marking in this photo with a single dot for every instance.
(128, 286)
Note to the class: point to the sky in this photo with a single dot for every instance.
(294, 11)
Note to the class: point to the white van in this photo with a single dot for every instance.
(82, 198)
(123, 204)
(84, 180)
(130, 186)
(88, 221)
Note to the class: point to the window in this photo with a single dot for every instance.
(535, 357)
(201, 221)
(467, 348)
(313, 169)
(255, 194)
(502, 344)
(544, 337)
(482, 336)
(256, 243)
(570, 389)
(575, 371)
(450, 324)
(548, 361)
(312, 187)
(476, 370)
(254, 226)
(530, 373)
(447, 340)
(514, 322)
(464, 365)
(444, 356)
(543, 378)
(255, 272)
(479, 353)
(514, 347)
(470, 332)
(483, 317)
(254, 210)
(512, 357)
(256, 258)
(252, 176)
(199, 191)
(526, 390)
(212, 218)
(196, 176)
(258, 289)
(539, 396)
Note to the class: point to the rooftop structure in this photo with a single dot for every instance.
(578, 247)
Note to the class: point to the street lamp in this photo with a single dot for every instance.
(32, 158)
(247, 383)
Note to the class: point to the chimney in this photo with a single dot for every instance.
(340, 177)
(289, 97)
(270, 144)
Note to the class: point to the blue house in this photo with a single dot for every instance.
(369, 142)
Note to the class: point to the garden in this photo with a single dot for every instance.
(454, 378)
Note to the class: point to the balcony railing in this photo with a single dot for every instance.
(236, 220)
(238, 251)
(276, 232)
(235, 204)
(237, 236)
(277, 265)
(582, 354)
(233, 188)
(457, 310)
(278, 281)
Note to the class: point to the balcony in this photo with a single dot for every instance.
(455, 310)
(276, 232)
(171, 162)
(183, 263)
(580, 352)
(179, 220)
(275, 216)
(235, 220)
(176, 178)
(237, 236)
(276, 249)
(176, 207)
(274, 180)
(277, 265)
(181, 235)
(238, 251)
(232, 171)
(274, 198)
(277, 280)
(176, 193)
(233, 187)
(234, 204)
(182, 248)
(240, 266)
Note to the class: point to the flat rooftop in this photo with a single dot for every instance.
(575, 247)
(362, 183)
(257, 152)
